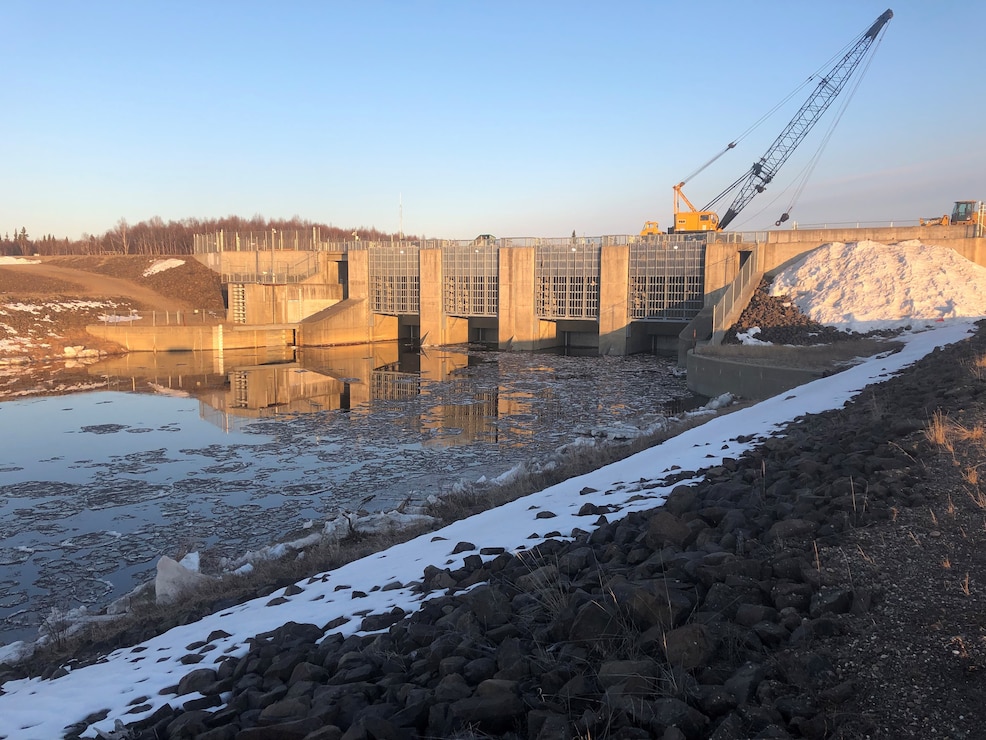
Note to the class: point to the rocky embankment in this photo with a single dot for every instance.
(780, 321)
(811, 588)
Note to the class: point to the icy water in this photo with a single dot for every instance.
(224, 455)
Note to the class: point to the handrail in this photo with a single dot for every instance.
(305, 241)
(185, 317)
(722, 310)
(276, 272)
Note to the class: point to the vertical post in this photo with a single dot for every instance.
(614, 299)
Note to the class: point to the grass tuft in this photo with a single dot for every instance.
(937, 431)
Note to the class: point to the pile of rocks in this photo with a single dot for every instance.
(709, 617)
(780, 321)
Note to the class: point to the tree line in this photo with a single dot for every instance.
(157, 236)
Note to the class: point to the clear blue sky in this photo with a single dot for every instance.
(513, 117)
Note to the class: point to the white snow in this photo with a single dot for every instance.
(17, 261)
(162, 265)
(36, 708)
(749, 337)
(863, 286)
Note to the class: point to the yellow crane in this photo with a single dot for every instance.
(756, 179)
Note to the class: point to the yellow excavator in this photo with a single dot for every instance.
(964, 212)
(756, 179)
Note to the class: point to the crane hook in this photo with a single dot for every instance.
(784, 217)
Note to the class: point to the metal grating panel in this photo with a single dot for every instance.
(471, 280)
(395, 286)
(567, 280)
(394, 386)
(667, 280)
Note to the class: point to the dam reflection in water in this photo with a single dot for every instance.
(100, 484)
(238, 388)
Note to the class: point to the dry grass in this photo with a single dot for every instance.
(937, 431)
(146, 617)
(977, 367)
(483, 497)
(945, 433)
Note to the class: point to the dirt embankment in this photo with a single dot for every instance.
(46, 304)
(189, 285)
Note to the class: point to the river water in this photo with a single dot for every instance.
(182, 452)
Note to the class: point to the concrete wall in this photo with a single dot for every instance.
(520, 328)
(722, 264)
(782, 247)
(350, 321)
(708, 376)
(192, 338)
(253, 262)
(435, 327)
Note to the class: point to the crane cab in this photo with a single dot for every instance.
(692, 219)
(696, 221)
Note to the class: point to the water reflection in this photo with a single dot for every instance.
(237, 388)
(225, 453)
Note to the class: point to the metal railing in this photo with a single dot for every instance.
(311, 241)
(192, 317)
(722, 310)
(259, 241)
(275, 271)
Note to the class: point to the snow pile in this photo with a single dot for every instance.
(865, 286)
(162, 265)
(17, 261)
(163, 390)
(749, 337)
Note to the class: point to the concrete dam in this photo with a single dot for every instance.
(614, 295)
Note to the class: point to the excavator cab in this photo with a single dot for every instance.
(965, 212)
(651, 228)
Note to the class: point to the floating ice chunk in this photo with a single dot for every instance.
(173, 579)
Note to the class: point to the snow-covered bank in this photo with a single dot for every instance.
(636, 483)
(865, 286)
(174, 578)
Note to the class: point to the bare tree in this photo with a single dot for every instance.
(122, 230)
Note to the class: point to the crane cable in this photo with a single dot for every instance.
(813, 162)
(809, 168)
(756, 124)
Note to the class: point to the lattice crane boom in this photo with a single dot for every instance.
(763, 170)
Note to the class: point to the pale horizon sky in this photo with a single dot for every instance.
(455, 119)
